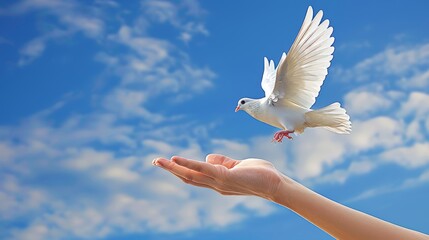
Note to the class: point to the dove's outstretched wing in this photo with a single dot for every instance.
(269, 77)
(301, 72)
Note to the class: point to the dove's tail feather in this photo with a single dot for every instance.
(333, 118)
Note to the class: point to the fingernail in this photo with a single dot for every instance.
(155, 162)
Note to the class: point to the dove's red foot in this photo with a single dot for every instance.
(278, 136)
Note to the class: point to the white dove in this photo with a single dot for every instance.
(291, 88)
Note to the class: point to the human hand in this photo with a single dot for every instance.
(226, 175)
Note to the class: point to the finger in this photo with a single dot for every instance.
(231, 193)
(218, 159)
(187, 181)
(186, 173)
(202, 167)
(195, 180)
(226, 193)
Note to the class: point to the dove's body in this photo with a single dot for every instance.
(285, 116)
(291, 88)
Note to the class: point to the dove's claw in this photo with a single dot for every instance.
(278, 136)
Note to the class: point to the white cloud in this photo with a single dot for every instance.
(354, 46)
(35, 48)
(128, 103)
(419, 80)
(83, 129)
(25, 6)
(193, 7)
(108, 3)
(376, 132)
(149, 68)
(185, 37)
(151, 62)
(395, 65)
(165, 11)
(406, 184)
(106, 58)
(17, 199)
(415, 105)
(90, 26)
(6, 152)
(32, 50)
(154, 49)
(119, 173)
(162, 11)
(371, 193)
(415, 130)
(415, 109)
(414, 156)
(341, 175)
(362, 103)
(416, 181)
(318, 150)
(35, 231)
(72, 18)
(84, 159)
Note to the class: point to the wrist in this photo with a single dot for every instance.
(285, 189)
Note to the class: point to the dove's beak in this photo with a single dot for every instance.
(237, 108)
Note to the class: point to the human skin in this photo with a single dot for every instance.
(260, 178)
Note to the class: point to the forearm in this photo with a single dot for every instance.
(337, 220)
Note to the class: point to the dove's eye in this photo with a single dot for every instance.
(243, 102)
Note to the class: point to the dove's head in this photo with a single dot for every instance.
(245, 104)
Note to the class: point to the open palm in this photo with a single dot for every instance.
(225, 175)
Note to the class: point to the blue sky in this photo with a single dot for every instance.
(92, 91)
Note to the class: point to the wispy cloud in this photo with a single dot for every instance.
(73, 15)
(148, 68)
(397, 66)
(354, 46)
(373, 99)
(413, 156)
(35, 48)
(406, 184)
(72, 18)
(129, 103)
(342, 175)
(165, 11)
